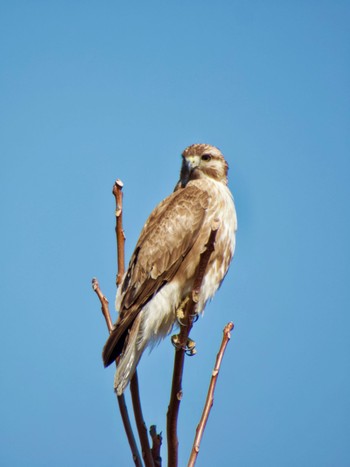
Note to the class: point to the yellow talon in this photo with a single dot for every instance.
(190, 344)
(180, 312)
(175, 341)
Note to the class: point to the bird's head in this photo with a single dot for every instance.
(203, 160)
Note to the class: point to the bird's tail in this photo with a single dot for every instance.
(129, 358)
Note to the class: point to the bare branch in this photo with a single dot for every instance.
(210, 396)
(140, 423)
(156, 445)
(128, 430)
(173, 409)
(182, 338)
(104, 304)
(118, 194)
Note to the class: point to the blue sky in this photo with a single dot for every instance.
(94, 91)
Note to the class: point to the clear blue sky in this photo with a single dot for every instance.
(94, 91)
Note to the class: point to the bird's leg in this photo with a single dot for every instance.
(190, 345)
(180, 312)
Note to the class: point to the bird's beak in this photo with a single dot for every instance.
(189, 163)
(192, 162)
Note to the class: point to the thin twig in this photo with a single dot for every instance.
(104, 304)
(210, 396)
(156, 445)
(185, 328)
(121, 400)
(140, 423)
(118, 194)
(128, 430)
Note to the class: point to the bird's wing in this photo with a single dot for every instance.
(166, 238)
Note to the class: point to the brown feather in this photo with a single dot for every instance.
(156, 259)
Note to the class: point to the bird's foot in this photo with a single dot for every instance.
(180, 312)
(189, 348)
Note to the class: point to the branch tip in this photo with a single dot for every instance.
(227, 329)
(94, 283)
(120, 235)
(156, 445)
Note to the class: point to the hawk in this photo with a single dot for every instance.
(162, 268)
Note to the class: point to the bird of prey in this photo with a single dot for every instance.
(162, 268)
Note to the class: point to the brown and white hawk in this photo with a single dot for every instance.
(162, 268)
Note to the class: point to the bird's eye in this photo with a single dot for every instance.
(206, 157)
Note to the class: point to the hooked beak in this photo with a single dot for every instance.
(189, 163)
(192, 162)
